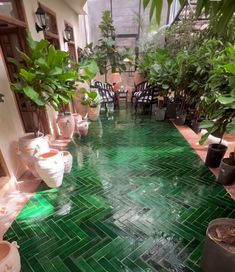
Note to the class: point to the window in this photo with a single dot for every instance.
(12, 9)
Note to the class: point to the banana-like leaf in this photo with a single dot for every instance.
(34, 96)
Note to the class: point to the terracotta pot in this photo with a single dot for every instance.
(80, 108)
(77, 119)
(83, 127)
(50, 167)
(66, 125)
(9, 257)
(68, 161)
(29, 146)
(93, 113)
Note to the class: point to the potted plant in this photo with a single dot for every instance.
(92, 99)
(163, 73)
(219, 104)
(219, 247)
(106, 54)
(45, 78)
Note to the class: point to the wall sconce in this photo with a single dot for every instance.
(41, 16)
(68, 32)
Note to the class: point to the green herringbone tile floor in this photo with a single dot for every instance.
(138, 199)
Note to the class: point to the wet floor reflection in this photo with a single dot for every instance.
(138, 199)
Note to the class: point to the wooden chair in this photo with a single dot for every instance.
(139, 88)
(105, 91)
(149, 96)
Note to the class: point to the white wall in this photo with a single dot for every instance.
(63, 13)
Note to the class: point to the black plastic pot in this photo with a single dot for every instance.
(216, 258)
(195, 125)
(180, 119)
(215, 154)
(171, 110)
(227, 171)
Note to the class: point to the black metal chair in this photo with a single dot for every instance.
(149, 96)
(139, 88)
(106, 92)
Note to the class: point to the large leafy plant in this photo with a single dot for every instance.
(160, 68)
(45, 75)
(219, 101)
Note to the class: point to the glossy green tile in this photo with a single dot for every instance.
(138, 199)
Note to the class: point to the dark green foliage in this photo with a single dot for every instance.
(106, 54)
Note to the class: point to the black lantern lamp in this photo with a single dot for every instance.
(41, 16)
(68, 33)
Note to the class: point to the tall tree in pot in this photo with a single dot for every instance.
(219, 103)
(106, 53)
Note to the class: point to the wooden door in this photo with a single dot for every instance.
(10, 39)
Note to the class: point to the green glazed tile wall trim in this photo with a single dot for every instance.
(138, 199)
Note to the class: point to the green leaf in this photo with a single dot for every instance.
(231, 126)
(226, 100)
(145, 3)
(28, 76)
(33, 95)
(204, 138)
(158, 11)
(206, 124)
(31, 43)
(15, 62)
(56, 71)
(230, 68)
(25, 57)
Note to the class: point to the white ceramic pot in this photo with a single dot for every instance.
(50, 167)
(66, 125)
(83, 127)
(29, 146)
(93, 113)
(77, 119)
(9, 257)
(68, 161)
